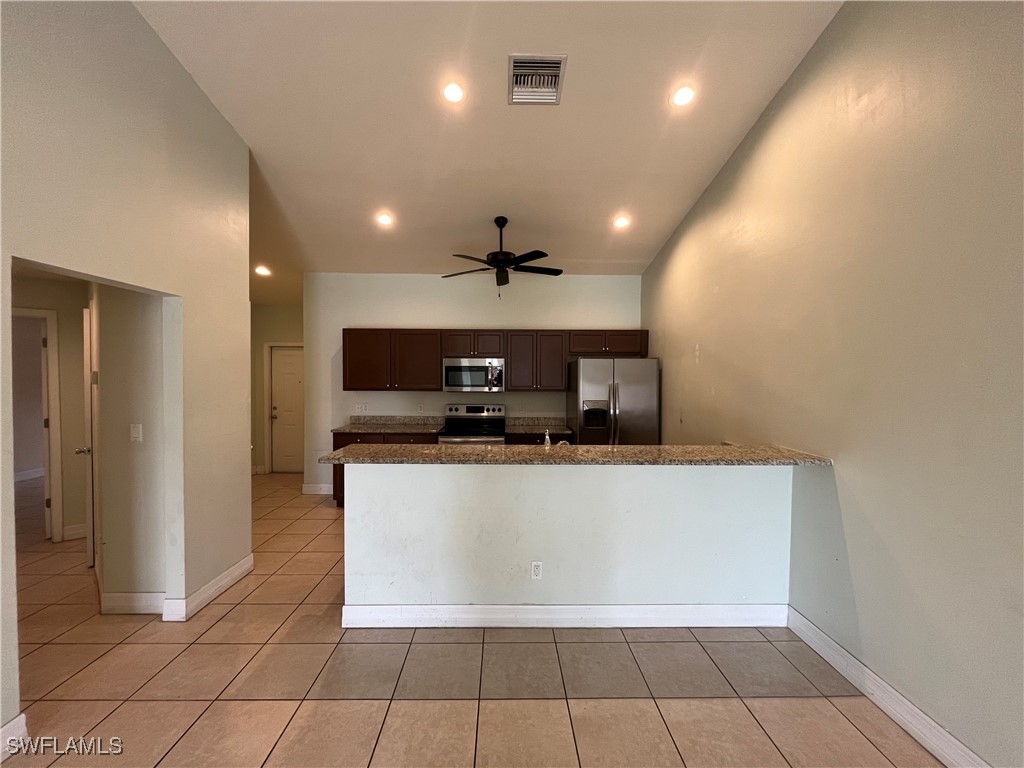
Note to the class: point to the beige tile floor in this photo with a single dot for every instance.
(265, 675)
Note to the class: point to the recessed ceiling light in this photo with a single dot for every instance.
(385, 219)
(683, 96)
(262, 271)
(621, 222)
(453, 92)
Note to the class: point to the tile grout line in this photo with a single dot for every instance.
(312, 682)
(479, 693)
(655, 700)
(565, 693)
(866, 737)
(169, 662)
(217, 698)
(391, 700)
(745, 705)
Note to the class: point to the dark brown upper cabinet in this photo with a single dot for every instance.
(366, 358)
(625, 343)
(381, 359)
(535, 361)
(473, 343)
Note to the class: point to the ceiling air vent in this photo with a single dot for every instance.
(535, 79)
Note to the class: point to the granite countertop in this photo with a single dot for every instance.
(409, 425)
(739, 455)
(389, 429)
(392, 425)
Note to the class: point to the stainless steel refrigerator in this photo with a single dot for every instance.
(614, 401)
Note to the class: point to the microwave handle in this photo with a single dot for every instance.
(490, 376)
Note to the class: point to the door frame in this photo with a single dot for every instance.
(268, 459)
(54, 471)
(90, 382)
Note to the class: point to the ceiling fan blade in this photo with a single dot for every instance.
(470, 258)
(501, 277)
(539, 270)
(528, 256)
(468, 272)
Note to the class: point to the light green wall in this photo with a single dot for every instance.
(117, 166)
(132, 521)
(270, 322)
(68, 299)
(851, 285)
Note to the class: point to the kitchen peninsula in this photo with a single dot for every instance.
(439, 535)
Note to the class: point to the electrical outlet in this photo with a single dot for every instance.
(419, 407)
(361, 408)
(536, 570)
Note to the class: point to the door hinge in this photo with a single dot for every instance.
(44, 342)
(94, 377)
(46, 423)
(47, 503)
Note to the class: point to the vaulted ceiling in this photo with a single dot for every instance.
(341, 106)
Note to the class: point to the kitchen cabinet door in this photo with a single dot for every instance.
(521, 439)
(416, 360)
(457, 343)
(412, 438)
(489, 343)
(342, 439)
(473, 343)
(623, 343)
(551, 361)
(626, 343)
(586, 342)
(521, 361)
(366, 358)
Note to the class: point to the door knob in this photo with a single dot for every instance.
(80, 451)
(273, 416)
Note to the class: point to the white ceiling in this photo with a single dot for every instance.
(340, 104)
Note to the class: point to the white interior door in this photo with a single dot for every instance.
(286, 409)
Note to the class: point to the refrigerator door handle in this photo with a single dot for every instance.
(616, 406)
(611, 414)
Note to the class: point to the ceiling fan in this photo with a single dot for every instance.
(501, 261)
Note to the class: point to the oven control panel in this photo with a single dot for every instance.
(469, 409)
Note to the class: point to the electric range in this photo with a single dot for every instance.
(473, 424)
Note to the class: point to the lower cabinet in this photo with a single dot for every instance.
(342, 439)
(535, 438)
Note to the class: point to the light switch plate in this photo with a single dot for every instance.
(136, 433)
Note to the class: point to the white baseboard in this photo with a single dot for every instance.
(131, 602)
(16, 729)
(936, 739)
(564, 615)
(29, 474)
(74, 531)
(184, 609)
(317, 488)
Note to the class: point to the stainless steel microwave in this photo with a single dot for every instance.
(474, 374)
